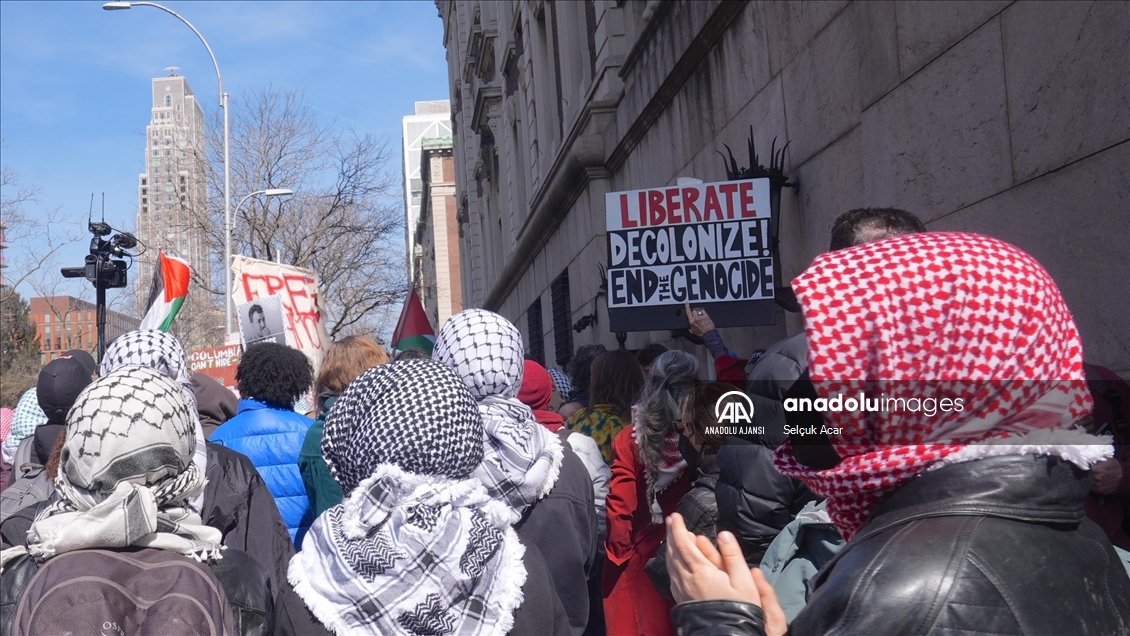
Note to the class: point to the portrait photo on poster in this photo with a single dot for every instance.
(261, 320)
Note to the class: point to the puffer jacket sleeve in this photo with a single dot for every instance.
(700, 513)
(755, 501)
(238, 503)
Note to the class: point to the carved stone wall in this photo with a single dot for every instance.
(1005, 118)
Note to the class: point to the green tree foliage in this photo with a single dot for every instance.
(19, 348)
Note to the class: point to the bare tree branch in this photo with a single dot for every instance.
(344, 221)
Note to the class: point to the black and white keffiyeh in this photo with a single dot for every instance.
(415, 414)
(162, 352)
(126, 473)
(418, 546)
(522, 459)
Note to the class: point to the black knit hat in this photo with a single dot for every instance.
(59, 384)
(415, 414)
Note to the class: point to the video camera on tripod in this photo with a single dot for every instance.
(104, 266)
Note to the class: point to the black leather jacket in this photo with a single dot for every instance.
(998, 545)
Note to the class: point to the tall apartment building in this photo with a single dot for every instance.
(436, 235)
(1009, 119)
(172, 192)
(431, 119)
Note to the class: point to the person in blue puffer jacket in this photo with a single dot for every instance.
(266, 429)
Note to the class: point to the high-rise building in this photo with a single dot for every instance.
(436, 235)
(172, 192)
(431, 120)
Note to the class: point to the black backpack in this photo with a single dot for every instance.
(145, 591)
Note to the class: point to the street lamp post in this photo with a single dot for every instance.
(270, 192)
(115, 6)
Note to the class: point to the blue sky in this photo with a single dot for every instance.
(75, 80)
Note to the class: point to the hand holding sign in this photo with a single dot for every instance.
(700, 321)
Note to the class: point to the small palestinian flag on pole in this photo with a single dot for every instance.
(170, 287)
(413, 330)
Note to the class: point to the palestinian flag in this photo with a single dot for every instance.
(170, 287)
(413, 330)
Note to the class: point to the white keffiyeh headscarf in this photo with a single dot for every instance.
(522, 459)
(126, 473)
(418, 546)
(162, 352)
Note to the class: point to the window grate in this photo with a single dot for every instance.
(537, 336)
(562, 330)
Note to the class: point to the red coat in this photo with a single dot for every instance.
(631, 603)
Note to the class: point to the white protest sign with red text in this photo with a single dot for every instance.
(302, 305)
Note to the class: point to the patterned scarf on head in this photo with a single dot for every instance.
(418, 546)
(561, 382)
(162, 352)
(522, 459)
(27, 418)
(956, 315)
(6, 416)
(127, 473)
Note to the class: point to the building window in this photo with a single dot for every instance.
(562, 329)
(537, 339)
(168, 100)
(156, 171)
(145, 199)
(144, 181)
(156, 153)
(168, 198)
(182, 179)
(145, 208)
(168, 153)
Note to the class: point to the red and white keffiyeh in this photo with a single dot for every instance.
(958, 315)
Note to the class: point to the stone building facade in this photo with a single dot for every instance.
(1005, 118)
(436, 263)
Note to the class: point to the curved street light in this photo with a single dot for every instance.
(117, 6)
(270, 192)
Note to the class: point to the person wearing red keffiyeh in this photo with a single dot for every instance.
(959, 521)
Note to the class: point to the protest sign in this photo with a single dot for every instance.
(218, 363)
(302, 309)
(706, 244)
(261, 320)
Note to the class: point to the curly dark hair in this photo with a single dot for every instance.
(648, 354)
(271, 372)
(579, 368)
(863, 225)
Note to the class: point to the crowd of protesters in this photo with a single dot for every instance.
(475, 491)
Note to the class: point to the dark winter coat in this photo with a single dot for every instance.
(215, 403)
(700, 513)
(322, 489)
(755, 501)
(271, 436)
(562, 525)
(236, 502)
(245, 584)
(539, 614)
